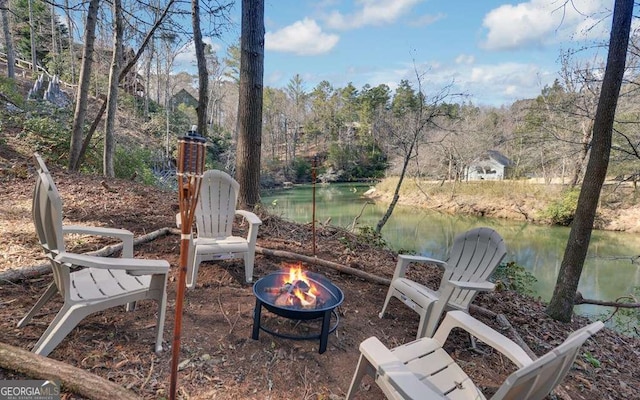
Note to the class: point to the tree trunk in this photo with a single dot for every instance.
(250, 103)
(203, 74)
(167, 102)
(8, 43)
(396, 193)
(83, 86)
(112, 96)
(32, 34)
(73, 379)
(561, 305)
(147, 78)
(72, 52)
(54, 49)
(585, 145)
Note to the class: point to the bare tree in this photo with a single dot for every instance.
(406, 126)
(172, 45)
(203, 74)
(78, 146)
(216, 94)
(148, 61)
(112, 95)
(83, 86)
(32, 34)
(72, 52)
(561, 305)
(250, 103)
(8, 43)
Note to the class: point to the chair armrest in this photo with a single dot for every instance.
(446, 291)
(485, 286)
(252, 218)
(122, 234)
(405, 259)
(460, 319)
(254, 225)
(390, 368)
(133, 266)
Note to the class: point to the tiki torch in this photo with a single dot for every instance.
(313, 205)
(191, 154)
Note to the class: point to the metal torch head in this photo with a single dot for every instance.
(191, 155)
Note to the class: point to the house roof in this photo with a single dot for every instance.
(496, 156)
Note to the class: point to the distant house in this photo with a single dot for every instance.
(492, 165)
(183, 97)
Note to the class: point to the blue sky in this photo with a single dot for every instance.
(495, 52)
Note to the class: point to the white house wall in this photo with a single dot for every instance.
(496, 174)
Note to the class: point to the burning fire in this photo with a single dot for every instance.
(296, 274)
(298, 290)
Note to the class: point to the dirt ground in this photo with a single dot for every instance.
(220, 359)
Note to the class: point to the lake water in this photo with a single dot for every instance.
(608, 271)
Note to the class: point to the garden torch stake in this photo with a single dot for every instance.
(313, 213)
(191, 152)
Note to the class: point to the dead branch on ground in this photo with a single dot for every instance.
(19, 274)
(73, 379)
(323, 263)
(617, 303)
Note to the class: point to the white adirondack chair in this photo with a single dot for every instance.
(90, 284)
(124, 235)
(474, 255)
(422, 370)
(214, 216)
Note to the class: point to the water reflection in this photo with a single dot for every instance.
(608, 271)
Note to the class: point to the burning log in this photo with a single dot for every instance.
(297, 294)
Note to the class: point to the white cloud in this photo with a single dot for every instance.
(488, 84)
(302, 37)
(504, 74)
(465, 59)
(540, 22)
(427, 19)
(511, 90)
(371, 12)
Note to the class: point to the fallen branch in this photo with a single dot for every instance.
(581, 300)
(19, 274)
(504, 323)
(73, 379)
(324, 263)
(515, 336)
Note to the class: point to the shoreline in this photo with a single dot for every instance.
(517, 207)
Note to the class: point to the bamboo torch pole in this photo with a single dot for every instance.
(191, 155)
(313, 213)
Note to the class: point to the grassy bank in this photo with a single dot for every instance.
(518, 200)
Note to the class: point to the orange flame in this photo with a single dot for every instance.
(296, 274)
(307, 298)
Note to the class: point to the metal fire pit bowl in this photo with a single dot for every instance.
(330, 295)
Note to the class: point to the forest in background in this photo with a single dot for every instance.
(349, 133)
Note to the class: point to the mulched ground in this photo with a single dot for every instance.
(221, 360)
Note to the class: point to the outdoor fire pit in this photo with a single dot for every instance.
(297, 295)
